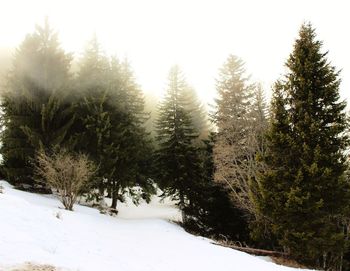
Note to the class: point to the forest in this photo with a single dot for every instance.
(265, 174)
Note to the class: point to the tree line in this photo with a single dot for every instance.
(273, 177)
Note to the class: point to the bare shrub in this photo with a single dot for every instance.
(1, 189)
(66, 172)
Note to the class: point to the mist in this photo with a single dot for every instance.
(196, 35)
(232, 113)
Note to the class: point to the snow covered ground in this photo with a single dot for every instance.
(33, 229)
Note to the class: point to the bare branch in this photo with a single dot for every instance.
(66, 173)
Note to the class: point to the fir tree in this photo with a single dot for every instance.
(135, 148)
(110, 126)
(90, 99)
(212, 212)
(177, 158)
(304, 192)
(37, 113)
(240, 120)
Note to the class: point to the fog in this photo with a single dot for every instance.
(114, 101)
(196, 35)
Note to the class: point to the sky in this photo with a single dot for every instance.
(197, 35)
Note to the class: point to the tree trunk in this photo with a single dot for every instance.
(182, 207)
(115, 191)
(114, 202)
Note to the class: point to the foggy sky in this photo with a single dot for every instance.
(198, 35)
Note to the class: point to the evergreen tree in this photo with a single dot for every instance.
(177, 158)
(304, 192)
(212, 212)
(135, 148)
(92, 122)
(36, 111)
(240, 120)
(111, 124)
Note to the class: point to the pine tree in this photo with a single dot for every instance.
(239, 118)
(37, 113)
(110, 126)
(304, 192)
(135, 148)
(94, 106)
(177, 158)
(212, 212)
(90, 98)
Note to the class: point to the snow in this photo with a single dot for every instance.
(34, 229)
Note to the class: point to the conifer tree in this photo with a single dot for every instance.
(135, 148)
(90, 98)
(239, 117)
(177, 158)
(212, 212)
(36, 111)
(304, 192)
(111, 121)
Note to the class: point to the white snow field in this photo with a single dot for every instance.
(34, 229)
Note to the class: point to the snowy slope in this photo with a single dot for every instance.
(140, 238)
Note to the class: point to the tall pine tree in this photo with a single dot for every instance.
(240, 121)
(304, 192)
(110, 124)
(177, 157)
(36, 110)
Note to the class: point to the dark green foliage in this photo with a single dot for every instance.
(110, 124)
(36, 113)
(177, 158)
(304, 192)
(212, 212)
(185, 170)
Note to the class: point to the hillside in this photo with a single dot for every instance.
(34, 229)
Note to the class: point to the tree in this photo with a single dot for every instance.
(212, 212)
(240, 120)
(110, 126)
(177, 158)
(65, 172)
(134, 148)
(304, 192)
(36, 113)
(92, 125)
